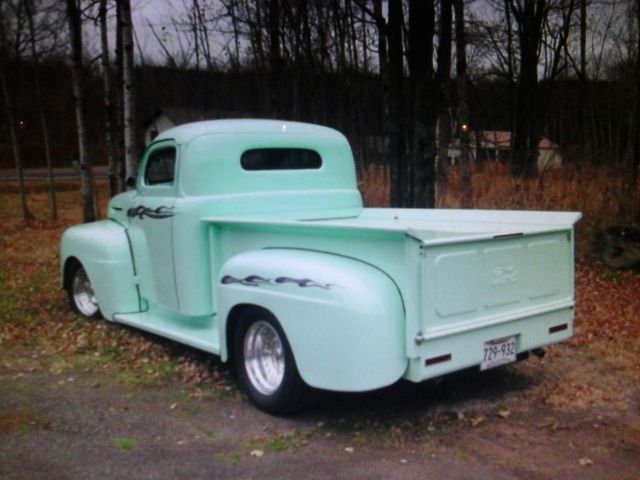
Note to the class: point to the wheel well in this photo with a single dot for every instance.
(232, 322)
(69, 266)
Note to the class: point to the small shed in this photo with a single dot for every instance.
(496, 145)
(167, 117)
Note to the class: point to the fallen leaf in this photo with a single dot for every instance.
(257, 453)
(349, 449)
(503, 414)
(477, 420)
(173, 406)
(585, 462)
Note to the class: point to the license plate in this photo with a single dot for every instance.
(499, 352)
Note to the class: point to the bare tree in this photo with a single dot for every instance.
(530, 16)
(443, 80)
(635, 122)
(424, 95)
(8, 108)
(462, 83)
(275, 57)
(129, 126)
(43, 119)
(398, 161)
(115, 179)
(86, 180)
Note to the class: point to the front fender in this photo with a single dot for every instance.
(103, 250)
(344, 319)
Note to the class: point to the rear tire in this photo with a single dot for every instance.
(82, 298)
(267, 371)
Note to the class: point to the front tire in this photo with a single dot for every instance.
(266, 368)
(82, 298)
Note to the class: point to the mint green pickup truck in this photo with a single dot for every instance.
(248, 239)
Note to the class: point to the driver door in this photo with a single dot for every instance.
(151, 225)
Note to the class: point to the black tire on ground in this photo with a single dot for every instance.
(267, 370)
(80, 293)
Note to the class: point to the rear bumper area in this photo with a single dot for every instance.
(445, 354)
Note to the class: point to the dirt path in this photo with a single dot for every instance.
(567, 416)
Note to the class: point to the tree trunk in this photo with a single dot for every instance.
(424, 92)
(463, 105)
(583, 39)
(510, 65)
(398, 165)
(86, 183)
(525, 138)
(43, 119)
(195, 31)
(635, 134)
(129, 126)
(115, 183)
(275, 60)
(8, 107)
(443, 79)
(118, 110)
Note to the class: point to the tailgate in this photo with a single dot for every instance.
(476, 291)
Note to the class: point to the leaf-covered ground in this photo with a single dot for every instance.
(137, 398)
(34, 307)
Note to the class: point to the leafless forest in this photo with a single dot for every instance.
(406, 80)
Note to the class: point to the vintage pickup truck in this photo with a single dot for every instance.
(248, 239)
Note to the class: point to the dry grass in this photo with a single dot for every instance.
(34, 311)
(601, 193)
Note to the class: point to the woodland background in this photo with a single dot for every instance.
(402, 79)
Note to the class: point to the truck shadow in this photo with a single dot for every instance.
(466, 390)
(443, 398)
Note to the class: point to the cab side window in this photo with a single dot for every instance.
(160, 168)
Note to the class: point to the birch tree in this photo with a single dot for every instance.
(113, 164)
(129, 126)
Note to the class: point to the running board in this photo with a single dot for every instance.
(203, 338)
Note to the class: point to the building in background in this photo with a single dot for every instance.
(495, 145)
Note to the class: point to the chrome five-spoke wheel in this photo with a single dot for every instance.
(267, 371)
(264, 357)
(81, 295)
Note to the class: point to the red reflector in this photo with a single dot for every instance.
(440, 359)
(558, 328)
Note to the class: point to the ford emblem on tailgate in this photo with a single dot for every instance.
(504, 275)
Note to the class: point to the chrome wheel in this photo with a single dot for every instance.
(82, 293)
(264, 358)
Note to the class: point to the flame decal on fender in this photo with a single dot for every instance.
(250, 281)
(256, 281)
(156, 213)
(304, 282)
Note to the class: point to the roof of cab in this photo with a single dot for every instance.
(185, 133)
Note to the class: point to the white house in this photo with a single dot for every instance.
(496, 145)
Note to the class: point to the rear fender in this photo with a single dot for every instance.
(344, 319)
(102, 248)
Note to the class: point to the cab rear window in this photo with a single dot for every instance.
(281, 159)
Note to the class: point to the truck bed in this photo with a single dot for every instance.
(430, 226)
(467, 277)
